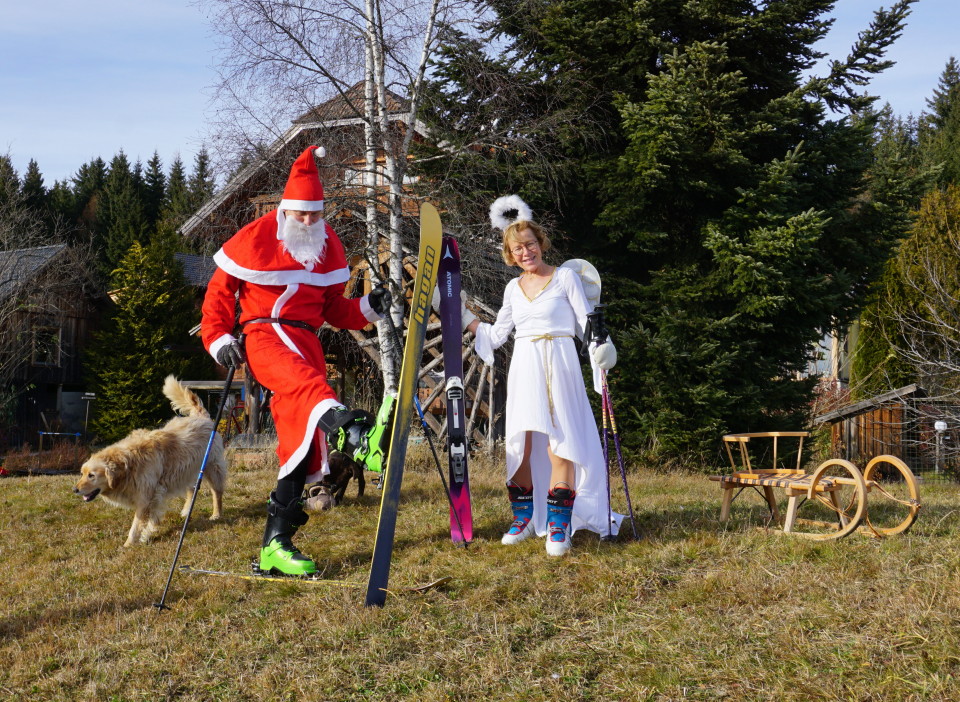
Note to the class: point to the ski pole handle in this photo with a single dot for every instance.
(597, 325)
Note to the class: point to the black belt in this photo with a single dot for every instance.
(281, 320)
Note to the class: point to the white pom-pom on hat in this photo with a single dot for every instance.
(509, 209)
(319, 152)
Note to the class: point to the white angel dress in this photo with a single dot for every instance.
(546, 395)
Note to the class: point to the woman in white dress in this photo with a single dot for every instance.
(556, 475)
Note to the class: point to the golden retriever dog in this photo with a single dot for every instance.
(148, 468)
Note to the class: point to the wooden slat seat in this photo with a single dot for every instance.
(745, 475)
(781, 479)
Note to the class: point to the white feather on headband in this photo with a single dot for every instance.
(509, 209)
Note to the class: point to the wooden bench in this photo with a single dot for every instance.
(836, 483)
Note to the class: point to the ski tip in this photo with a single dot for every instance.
(379, 597)
(430, 586)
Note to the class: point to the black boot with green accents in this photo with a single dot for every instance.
(360, 435)
(278, 555)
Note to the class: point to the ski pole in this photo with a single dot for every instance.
(595, 331)
(426, 433)
(196, 491)
(606, 467)
(616, 441)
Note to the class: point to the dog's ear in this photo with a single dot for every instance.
(116, 472)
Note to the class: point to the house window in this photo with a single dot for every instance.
(351, 176)
(46, 346)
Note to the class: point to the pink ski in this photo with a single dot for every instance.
(461, 514)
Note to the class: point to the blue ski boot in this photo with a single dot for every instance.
(521, 500)
(559, 513)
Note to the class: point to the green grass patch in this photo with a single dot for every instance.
(693, 610)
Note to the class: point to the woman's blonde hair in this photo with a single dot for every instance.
(513, 232)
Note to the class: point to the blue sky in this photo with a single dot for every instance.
(85, 79)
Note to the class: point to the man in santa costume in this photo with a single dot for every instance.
(288, 270)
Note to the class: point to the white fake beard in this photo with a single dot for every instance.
(304, 242)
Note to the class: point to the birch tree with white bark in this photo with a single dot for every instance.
(279, 59)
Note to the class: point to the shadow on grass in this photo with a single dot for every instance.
(59, 618)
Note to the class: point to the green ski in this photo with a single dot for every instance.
(428, 261)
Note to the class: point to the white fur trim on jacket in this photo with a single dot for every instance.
(367, 311)
(339, 275)
(218, 344)
(311, 431)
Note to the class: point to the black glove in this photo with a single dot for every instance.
(380, 299)
(231, 355)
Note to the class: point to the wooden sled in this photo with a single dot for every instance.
(829, 503)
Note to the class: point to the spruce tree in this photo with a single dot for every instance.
(928, 264)
(9, 181)
(87, 191)
(61, 201)
(940, 128)
(942, 102)
(34, 192)
(120, 215)
(201, 184)
(154, 190)
(721, 195)
(177, 204)
(127, 359)
(877, 365)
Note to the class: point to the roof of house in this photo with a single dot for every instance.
(349, 105)
(338, 111)
(197, 270)
(17, 266)
(852, 410)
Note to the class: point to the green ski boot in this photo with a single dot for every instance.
(278, 555)
(360, 435)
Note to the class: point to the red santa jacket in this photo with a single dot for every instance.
(271, 283)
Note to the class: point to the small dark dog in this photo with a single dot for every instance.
(329, 492)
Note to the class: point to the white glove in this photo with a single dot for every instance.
(466, 316)
(604, 355)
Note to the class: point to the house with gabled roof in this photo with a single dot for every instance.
(46, 315)
(337, 125)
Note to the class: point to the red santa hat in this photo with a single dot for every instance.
(304, 190)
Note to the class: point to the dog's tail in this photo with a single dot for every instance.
(182, 399)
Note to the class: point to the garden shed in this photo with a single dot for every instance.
(900, 422)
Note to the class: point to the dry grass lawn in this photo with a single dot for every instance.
(694, 610)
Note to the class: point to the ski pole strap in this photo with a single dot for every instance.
(281, 320)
